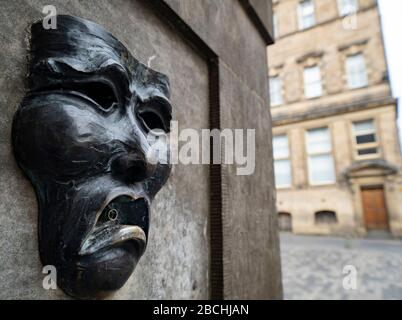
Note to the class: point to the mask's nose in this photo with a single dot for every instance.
(132, 168)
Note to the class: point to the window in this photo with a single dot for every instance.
(306, 14)
(275, 85)
(319, 152)
(282, 165)
(312, 82)
(356, 71)
(365, 139)
(275, 23)
(347, 7)
(325, 217)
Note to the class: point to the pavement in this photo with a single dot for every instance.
(330, 268)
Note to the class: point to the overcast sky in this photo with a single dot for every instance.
(391, 13)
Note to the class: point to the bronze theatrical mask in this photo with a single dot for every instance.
(80, 136)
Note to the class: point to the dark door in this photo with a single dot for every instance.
(285, 221)
(375, 211)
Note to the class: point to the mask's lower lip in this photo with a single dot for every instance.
(111, 235)
(122, 219)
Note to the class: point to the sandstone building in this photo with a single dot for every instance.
(336, 149)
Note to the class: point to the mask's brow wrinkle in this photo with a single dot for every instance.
(160, 103)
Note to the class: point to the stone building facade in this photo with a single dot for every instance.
(213, 234)
(336, 148)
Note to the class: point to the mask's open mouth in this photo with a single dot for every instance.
(122, 219)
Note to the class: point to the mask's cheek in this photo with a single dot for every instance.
(67, 216)
(62, 140)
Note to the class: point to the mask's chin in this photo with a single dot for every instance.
(110, 252)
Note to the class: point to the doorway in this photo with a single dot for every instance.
(374, 208)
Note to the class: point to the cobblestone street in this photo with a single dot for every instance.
(312, 267)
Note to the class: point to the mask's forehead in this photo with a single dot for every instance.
(76, 39)
(87, 47)
(147, 83)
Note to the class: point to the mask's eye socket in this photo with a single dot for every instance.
(100, 93)
(151, 121)
(155, 116)
(105, 91)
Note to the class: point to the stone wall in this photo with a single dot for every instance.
(176, 264)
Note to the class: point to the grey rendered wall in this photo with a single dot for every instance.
(263, 8)
(176, 262)
(251, 247)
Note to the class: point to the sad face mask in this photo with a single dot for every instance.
(80, 136)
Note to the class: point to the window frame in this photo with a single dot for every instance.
(283, 158)
(280, 91)
(305, 83)
(310, 154)
(364, 146)
(348, 74)
(301, 18)
(343, 12)
(275, 24)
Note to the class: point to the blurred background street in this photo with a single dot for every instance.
(334, 87)
(312, 267)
